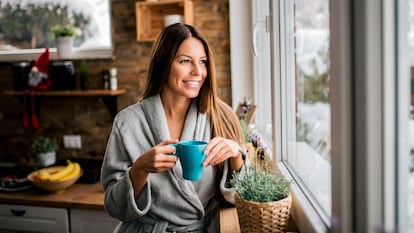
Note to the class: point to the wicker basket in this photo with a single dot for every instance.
(263, 217)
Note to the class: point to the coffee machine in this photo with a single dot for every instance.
(62, 74)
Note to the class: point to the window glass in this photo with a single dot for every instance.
(308, 108)
(26, 24)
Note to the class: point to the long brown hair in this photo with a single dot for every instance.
(224, 120)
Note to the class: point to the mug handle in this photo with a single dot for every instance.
(176, 149)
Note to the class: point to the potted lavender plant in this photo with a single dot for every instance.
(263, 198)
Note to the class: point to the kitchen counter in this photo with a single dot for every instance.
(91, 197)
(79, 196)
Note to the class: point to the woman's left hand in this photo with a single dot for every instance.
(219, 149)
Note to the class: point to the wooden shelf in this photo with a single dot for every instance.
(109, 98)
(150, 16)
(72, 93)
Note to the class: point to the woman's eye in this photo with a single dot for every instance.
(203, 62)
(185, 61)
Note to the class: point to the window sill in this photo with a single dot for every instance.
(77, 54)
(303, 213)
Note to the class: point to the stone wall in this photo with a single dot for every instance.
(87, 116)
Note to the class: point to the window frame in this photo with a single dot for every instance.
(364, 123)
(403, 72)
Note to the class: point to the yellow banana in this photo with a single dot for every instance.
(66, 170)
(43, 175)
(74, 173)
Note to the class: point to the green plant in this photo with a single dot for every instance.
(44, 144)
(64, 30)
(258, 183)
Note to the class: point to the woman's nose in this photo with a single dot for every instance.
(196, 69)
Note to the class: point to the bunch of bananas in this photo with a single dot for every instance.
(70, 171)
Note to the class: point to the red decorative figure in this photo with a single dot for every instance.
(38, 81)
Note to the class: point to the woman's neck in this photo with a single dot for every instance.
(175, 112)
(175, 108)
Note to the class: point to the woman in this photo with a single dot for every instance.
(143, 186)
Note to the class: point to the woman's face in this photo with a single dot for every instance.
(188, 69)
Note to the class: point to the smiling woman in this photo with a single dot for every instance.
(25, 27)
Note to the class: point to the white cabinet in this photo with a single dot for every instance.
(33, 219)
(91, 221)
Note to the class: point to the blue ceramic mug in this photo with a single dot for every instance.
(191, 155)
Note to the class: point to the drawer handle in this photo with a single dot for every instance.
(18, 212)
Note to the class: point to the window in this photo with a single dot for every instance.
(306, 81)
(291, 90)
(342, 110)
(303, 107)
(25, 27)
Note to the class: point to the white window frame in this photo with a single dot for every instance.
(403, 144)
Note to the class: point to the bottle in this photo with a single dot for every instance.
(84, 76)
(105, 79)
(114, 79)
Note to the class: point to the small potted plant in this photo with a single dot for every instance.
(64, 34)
(262, 197)
(45, 149)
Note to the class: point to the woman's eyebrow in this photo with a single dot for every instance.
(186, 55)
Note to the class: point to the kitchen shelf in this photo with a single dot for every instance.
(108, 97)
(72, 93)
(150, 16)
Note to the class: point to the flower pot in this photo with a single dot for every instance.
(46, 159)
(64, 46)
(263, 216)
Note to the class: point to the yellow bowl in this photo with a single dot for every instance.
(53, 186)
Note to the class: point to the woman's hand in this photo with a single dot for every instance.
(220, 149)
(157, 159)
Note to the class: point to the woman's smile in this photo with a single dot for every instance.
(192, 84)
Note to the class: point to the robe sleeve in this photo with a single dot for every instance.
(119, 199)
(225, 188)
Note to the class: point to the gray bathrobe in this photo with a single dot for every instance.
(168, 202)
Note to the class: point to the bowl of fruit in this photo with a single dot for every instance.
(56, 178)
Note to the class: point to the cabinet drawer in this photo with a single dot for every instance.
(91, 221)
(33, 218)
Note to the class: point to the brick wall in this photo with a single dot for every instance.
(87, 116)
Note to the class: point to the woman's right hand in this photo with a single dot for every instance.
(157, 159)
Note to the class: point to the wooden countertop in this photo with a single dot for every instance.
(79, 196)
(91, 197)
(229, 222)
